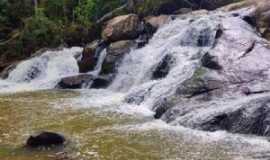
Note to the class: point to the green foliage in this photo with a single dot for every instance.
(84, 12)
(89, 11)
(151, 6)
(18, 10)
(40, 31)
(3, 12)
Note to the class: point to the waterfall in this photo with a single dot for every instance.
(102, 55)
(194, 64)
(184, 42)
(42, 72)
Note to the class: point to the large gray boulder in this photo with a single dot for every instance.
(230, 88)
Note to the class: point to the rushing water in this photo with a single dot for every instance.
(107, 132)
(101, 124)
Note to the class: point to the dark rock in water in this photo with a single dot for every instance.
(90, 56)
(45, 139)
(209, 61)
(199, 38)
(75, 82)
(101, 82)
(136, 98)
(159, 112)
(161, 107)
(5, 73)
(83, 81)
(89, 59)
(163, 67)
(115, 53)
(250, 20)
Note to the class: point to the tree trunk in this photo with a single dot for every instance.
(36, 6)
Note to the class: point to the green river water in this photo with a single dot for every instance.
(92, 133)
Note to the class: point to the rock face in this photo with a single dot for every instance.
(211, 73)
(122, 28)
(45, 139)
(210, 99)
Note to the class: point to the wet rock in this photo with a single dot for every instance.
(101, 82)
(45, 139)
(163, 67)
(234, 99)
(89, 57)
(122, 28)
(259, 17)
(84, 81)
(161, 107)
(5, 73)
(115, 53)
(120, 47)
(75, 82)
(250, 20)
(210, 62)
(246, 120)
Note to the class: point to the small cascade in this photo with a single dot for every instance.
(102, 55)
(184, 41)
(44, 71)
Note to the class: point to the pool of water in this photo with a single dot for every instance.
(99, 133)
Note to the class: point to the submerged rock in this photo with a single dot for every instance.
(45, 139)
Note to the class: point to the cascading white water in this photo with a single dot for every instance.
(42, 72)
(185, 40)
(180, 40)
(100, 61)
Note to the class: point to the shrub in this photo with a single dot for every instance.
(39, 32)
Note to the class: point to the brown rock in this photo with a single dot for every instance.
(88, 60)
(122, 28)
(157, 21)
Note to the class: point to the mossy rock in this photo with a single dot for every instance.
(195, 84)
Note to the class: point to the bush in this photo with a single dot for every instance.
(89, 11)
(39, 32)
(3, 12)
